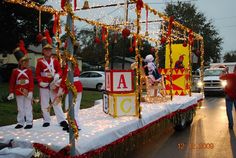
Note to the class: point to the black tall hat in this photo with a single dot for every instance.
(20, 52)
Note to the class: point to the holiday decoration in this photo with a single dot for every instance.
(125, 32)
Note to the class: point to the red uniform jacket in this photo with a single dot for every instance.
(46, 70)
(21, 80)
(230, 88)
(77, 83)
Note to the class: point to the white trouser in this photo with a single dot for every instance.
(45, 97)
(76, 108)
(24, 108)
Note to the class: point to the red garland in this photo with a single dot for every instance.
(122, 139)
(64, 153)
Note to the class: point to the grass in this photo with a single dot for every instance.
(8, 109)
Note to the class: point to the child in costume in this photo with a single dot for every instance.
(22, 84)
(48, 73)
(79, 88)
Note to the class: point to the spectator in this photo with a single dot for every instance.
(230, 97)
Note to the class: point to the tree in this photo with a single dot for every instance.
(187, 14)
(18, 22)
(230, 56)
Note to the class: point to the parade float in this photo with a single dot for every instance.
(132, 109)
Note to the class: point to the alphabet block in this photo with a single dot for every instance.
(119, 81)
(122, 104)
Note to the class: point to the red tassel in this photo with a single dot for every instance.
(170, 26)
(125, 32)
(75, 5)
(163, 40)
(152, 50)
(97, 40)
(22, 47)
(146, 21)
(139, 5)
(190, 37)
(185, 44)
(134, 41)
(55, 23)
(39, 37)
(47, 34)
(65, 45)
(63, 2)
(131, 49)
(104, 32)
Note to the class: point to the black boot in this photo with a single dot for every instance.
(46, 124)
(28, 126)
(65, 126)
(18, 126)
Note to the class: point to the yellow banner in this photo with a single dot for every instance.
(180, 56)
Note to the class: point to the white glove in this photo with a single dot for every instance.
(43, 84)
(56, 77)
(30, 95)
(10, 96)
(54, 85)
(60, 92)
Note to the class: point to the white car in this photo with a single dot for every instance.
(92, 79)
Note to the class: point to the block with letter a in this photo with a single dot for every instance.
(120, 81)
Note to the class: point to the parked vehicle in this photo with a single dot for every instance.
(92, 79)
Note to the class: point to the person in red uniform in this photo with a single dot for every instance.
(230, 97)
(79, 88)
(48, 73)
(22, 84)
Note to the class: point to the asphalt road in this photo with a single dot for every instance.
(207, 137)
